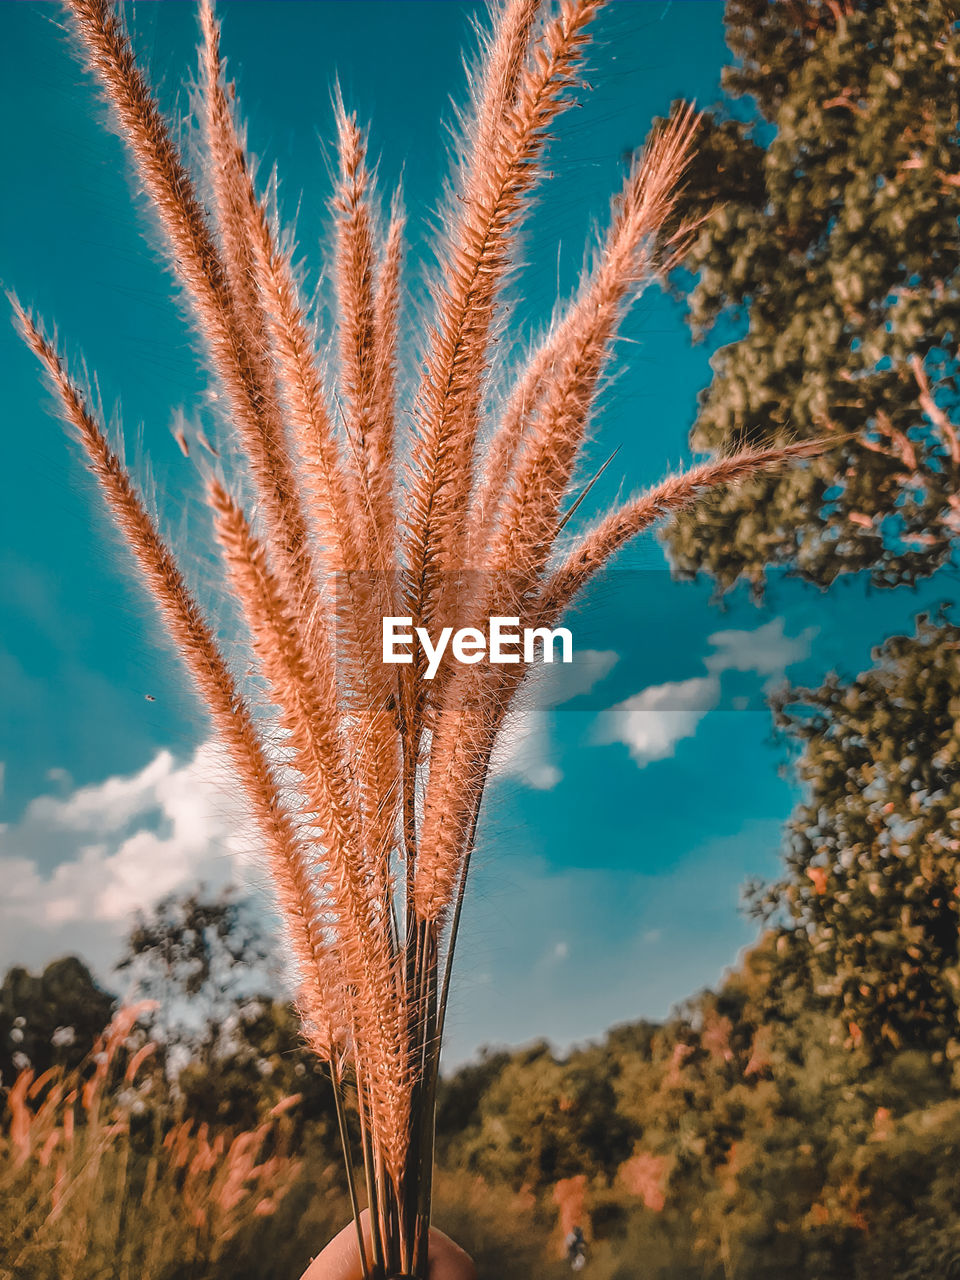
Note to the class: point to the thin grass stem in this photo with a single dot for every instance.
(376, 1246)
(336, 1082)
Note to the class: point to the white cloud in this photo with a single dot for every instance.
(76, 866)
(523, 747)
(767, 650)
(523, 750)
(652, 722)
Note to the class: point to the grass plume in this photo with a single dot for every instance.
(369, 821)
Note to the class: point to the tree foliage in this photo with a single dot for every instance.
(230, 1043)
(744, 1137)
(197, 953)
(50, 1019)
(871, 893)
(831, 244)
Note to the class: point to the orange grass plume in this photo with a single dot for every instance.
(352, 505)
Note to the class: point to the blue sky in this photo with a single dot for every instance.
(633, 794)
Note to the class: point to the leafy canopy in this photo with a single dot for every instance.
(831, 238)
(872, 886)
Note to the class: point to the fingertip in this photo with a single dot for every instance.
(447, 1260)
(340, 1260)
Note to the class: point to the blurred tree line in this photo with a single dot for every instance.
(803, 1120)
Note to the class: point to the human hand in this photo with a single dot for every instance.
(340, 1260)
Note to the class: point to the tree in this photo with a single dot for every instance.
(831, 237)
(870, 902)
(540, 1120)
(231, 1042)
(50, 1019)
(198, 957)
(459, 1096)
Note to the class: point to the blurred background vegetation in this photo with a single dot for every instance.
(803, 1120)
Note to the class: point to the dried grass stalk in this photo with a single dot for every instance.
(351, 887)
(493, 196)
(198, 266)
(615, 530)
(533, 454)
(321, 998)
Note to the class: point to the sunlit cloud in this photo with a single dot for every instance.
(652, 722)
(523, 749)
(77, 865)
(767, 650)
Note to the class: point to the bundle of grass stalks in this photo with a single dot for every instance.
(367, 813)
